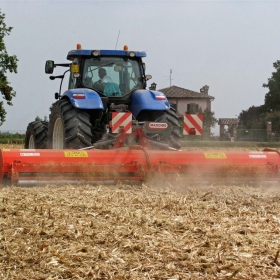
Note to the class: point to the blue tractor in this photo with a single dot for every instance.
(106, 106)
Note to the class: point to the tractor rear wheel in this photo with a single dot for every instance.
(36, 136)
(169, 116)
(69, 127)
(173, 138)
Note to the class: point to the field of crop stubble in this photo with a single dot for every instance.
(180, 231)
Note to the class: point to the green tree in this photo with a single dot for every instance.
(252, 118)
(39, 119)
(7, 63)
(272, 98)
(209, 121)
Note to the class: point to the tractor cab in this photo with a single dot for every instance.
(108, 72)
(111, 73)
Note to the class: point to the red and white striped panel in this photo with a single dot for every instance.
(193, 121)
(121, 120)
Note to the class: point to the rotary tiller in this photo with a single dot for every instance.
(136, 164)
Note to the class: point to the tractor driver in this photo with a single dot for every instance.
(111, 89)
(104, 78)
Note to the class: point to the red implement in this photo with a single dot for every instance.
(138, 164)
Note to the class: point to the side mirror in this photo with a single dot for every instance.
(148, 77)
(49, 67)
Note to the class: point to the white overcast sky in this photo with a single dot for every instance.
(228, 45)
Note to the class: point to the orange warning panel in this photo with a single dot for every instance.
(121, 121)
(193, 124)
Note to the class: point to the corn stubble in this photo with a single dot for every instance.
(126, 232)
(180, 231)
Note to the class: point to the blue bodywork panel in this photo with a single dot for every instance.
(143, 99)
(91, 101)
(121, 53)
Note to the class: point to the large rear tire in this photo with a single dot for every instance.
(69, 127)
(169, 116)
(173, 139)
(36, 136)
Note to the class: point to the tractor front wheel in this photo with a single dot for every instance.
(69, 127)
(36, 136)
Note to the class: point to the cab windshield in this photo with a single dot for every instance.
(112, 76)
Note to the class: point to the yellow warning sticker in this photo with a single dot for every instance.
(6, 150)
(215, 155)
(76, 154)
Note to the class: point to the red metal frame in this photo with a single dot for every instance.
(138, 133)
(137, 163)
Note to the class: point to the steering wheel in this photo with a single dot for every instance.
(98, 86)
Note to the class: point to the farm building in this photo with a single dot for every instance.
(185, 100)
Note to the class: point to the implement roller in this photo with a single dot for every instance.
(136, 164)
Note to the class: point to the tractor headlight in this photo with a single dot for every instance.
(132, 54)
(95, 53)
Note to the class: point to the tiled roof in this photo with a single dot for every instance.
(178, 92)
(227, 121)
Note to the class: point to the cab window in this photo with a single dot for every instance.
(112, 75)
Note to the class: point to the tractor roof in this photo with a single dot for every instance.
(121, 53)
